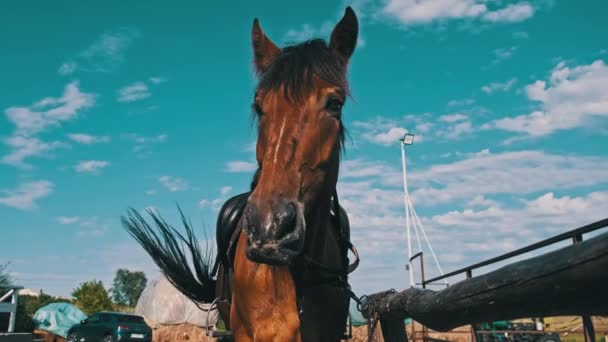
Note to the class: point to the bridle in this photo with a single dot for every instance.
(320, 274)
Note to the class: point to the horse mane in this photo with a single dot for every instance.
(295, 66)
(169, 254)
(293, 70)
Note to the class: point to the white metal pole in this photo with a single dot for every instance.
(13, 314)
(407, 215)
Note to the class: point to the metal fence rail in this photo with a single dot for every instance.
(574, 234)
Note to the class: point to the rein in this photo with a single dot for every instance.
(326, 275)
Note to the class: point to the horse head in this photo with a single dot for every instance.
(298, 104)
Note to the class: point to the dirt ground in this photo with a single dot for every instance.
(569, 328)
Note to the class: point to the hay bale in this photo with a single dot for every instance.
(179, 332)
(47, 336)
(360, 334)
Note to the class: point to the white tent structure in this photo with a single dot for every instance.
(162, 303)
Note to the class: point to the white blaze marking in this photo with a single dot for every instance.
(276, 149)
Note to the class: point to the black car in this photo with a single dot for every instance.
(110, 327)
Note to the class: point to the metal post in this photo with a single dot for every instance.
(407, 215)
(469, 274)
(589, 329)
(422, 270)
(393, 329)
(587, 322)
(13, 314)
(425, 330)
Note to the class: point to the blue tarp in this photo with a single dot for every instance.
(58, 318)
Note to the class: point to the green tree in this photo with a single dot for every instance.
(5, 278)
(92, 297)
(128, 286)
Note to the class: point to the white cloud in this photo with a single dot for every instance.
(453, 126)
(216, 203)
(539, 218)
(485, 174)
(134, 92)
(85, 227)
(572, 97)
(423, 127)
(24, 196)
(512, 13)
(416, 12)
(173, 184)
(499, 86)
(38, 117)
(411, 12)
(50, 111)
(143, 144)
(107, 52)
(88, 139)
(67, 68)
(91, 166)
(241, 166)
(307, 31)
(520, 35)
(387, 132)
(225, 190)
(382, 131)
(389, 137)
(157, 80)
(67, 219)
(456, 131)
(461, 102)
(25, 147)
(520, 172)
(503, 54)
(451, 118)
(372, 194)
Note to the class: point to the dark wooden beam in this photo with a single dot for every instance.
(568, 281)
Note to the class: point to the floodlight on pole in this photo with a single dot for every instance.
(411, 215)
(407, 139)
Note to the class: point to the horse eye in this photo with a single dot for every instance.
(334, 105)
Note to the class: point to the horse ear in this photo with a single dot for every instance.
(264, 50)
(344, 36)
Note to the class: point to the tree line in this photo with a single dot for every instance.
(90, 297)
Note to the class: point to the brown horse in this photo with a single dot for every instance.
(288, 264)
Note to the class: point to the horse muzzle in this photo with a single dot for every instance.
(277, 237)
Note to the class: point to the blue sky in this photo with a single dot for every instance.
(113, 105)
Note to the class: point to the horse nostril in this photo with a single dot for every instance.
(252, 222)
(286, 221)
